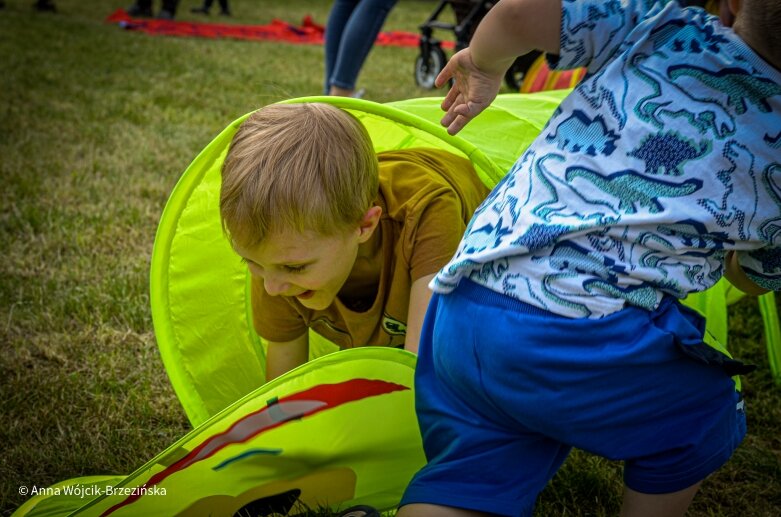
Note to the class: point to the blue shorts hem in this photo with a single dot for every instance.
(666, 485)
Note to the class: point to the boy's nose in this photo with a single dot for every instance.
(274, 286)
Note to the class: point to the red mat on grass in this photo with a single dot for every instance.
(308, 32)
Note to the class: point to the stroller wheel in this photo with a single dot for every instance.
(427, 67)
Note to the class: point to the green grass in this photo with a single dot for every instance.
(96, 125)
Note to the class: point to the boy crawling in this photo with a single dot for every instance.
(557, 323)
(338, 238)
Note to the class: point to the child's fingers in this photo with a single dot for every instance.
(446, 73)
(459, 116)
(457, 124)
(448, 118)
(452, 104)
(450, 98)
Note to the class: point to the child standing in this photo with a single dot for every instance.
(338, 238)
(556, 324)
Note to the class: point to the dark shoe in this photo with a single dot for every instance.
(165, 15)
(360, 511)
(199, 10)
(139, 12)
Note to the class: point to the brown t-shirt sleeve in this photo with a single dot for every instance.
(439, 230)
(274, 318)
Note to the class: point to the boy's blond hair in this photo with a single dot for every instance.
(301, 167)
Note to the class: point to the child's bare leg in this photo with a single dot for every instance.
(431, 510)
(657, 505)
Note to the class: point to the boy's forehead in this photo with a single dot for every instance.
(287, 246)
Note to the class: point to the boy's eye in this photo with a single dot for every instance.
(294, 269)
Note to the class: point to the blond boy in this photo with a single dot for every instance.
(338, 238)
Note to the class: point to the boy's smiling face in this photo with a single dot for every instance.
(308, 266)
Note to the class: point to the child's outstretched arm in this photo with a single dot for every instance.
(510, 29)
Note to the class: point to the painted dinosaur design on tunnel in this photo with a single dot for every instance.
(634, 190)
(666, 153)
(277, 412)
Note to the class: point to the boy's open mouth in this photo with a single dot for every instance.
(305, 295)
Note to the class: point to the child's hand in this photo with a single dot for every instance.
(472, 91)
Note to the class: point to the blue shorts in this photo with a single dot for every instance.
(504, 390)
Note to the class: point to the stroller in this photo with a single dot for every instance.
(468, 14)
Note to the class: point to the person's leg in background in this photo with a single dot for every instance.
(140, 8)
(204, 9)
(168, 10)
(337, 20)
(353, 26)
(144, 8)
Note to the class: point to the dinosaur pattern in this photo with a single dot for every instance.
(579, 133)
(773, 141)
(730, 209)
(666, 153)
(634, 191)
(664, 105)
(664, 158)
(740, 86)
(770, 230)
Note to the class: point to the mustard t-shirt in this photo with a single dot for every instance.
(427, 198)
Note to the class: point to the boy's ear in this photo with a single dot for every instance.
(369, 223)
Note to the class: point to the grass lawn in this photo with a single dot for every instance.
(96, 125)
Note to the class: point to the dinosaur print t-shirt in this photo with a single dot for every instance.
(664, 157)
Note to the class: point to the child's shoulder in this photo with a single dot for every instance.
(426, 165)
(412, 179)
(421, 155)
